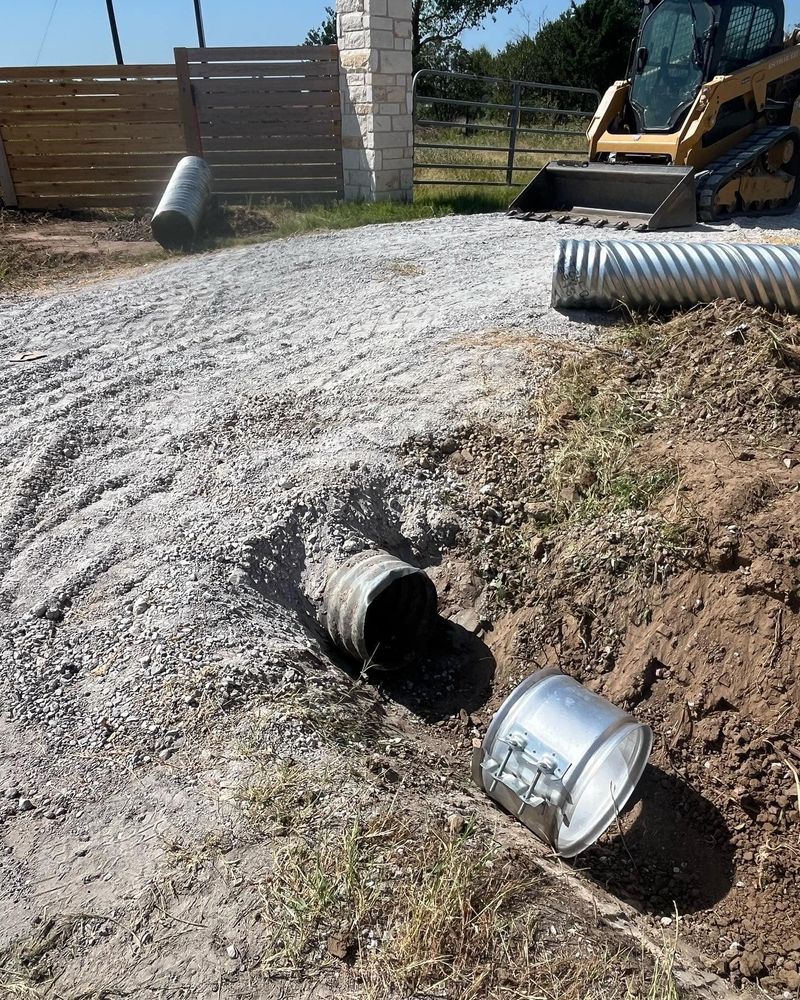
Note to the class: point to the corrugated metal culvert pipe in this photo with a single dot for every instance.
(600, 274)
(176, 220)
(378, 608)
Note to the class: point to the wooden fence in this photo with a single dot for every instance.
(266, 119)
(89, 136)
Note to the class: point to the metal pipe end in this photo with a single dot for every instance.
(177, 218)
(378, 609)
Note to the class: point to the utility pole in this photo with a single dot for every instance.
(198, 16)
(114, 33)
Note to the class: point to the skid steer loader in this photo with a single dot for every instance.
(706, 127)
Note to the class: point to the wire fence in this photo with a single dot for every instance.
(487, 131)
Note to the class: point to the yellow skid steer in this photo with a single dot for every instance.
(707, 127)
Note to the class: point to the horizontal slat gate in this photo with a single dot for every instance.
(268, 119)
(90, 136)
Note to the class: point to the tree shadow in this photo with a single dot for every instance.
(671, 849)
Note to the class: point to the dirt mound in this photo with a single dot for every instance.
(643, 534)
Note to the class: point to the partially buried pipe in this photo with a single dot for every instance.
(601, 274)
(378, 609)
(176, 220)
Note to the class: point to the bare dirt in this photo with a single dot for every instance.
(683, 607)
(37, 249)
(185, 454)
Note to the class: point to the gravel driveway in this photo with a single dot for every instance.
(201, 441)
(197, 446)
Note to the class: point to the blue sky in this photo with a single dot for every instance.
(78, 32)
(149, 29)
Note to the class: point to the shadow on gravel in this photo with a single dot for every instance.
(671, 849)
(453, 675)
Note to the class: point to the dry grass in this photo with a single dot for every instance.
(196, 856)
(23, 267)
(28, 965)
(598, 418)
(403, 269)
(701, 366)
(487, 164)
(276, 798)
(419, 912)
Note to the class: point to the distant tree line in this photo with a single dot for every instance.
(586, 46)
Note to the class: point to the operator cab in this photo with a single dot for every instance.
(684, 43)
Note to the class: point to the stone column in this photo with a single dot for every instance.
(375, 44)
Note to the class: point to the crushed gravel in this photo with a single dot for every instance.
(200, 443)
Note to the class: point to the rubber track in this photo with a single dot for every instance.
(726, 167)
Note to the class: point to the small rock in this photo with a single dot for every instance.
(456, 825)
(12, 793)
(140, 605)
(468, 619)
(54, 614)
(231, 950)
(751, 963)
(340, 945)
(666, 921)
(536, 547)
(25, 805)
(790, 462)
(539, 511)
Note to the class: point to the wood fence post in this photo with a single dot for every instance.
(189, 121)
(7, 191)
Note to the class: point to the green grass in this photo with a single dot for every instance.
(266, 220)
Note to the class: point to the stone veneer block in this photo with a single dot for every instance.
(376, 75)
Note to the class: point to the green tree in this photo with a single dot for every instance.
(586, 46)
(325, 34)
(434, 22)
(454, 58)
(438, 21)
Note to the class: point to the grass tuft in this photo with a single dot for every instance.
(421, 912)
(599, 420)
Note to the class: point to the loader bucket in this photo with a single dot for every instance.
(621, 196)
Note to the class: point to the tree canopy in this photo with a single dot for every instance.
(325, 34)
(586, 46)
(435, 22)
(438, 21)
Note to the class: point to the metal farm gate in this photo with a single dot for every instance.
(487, 131)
